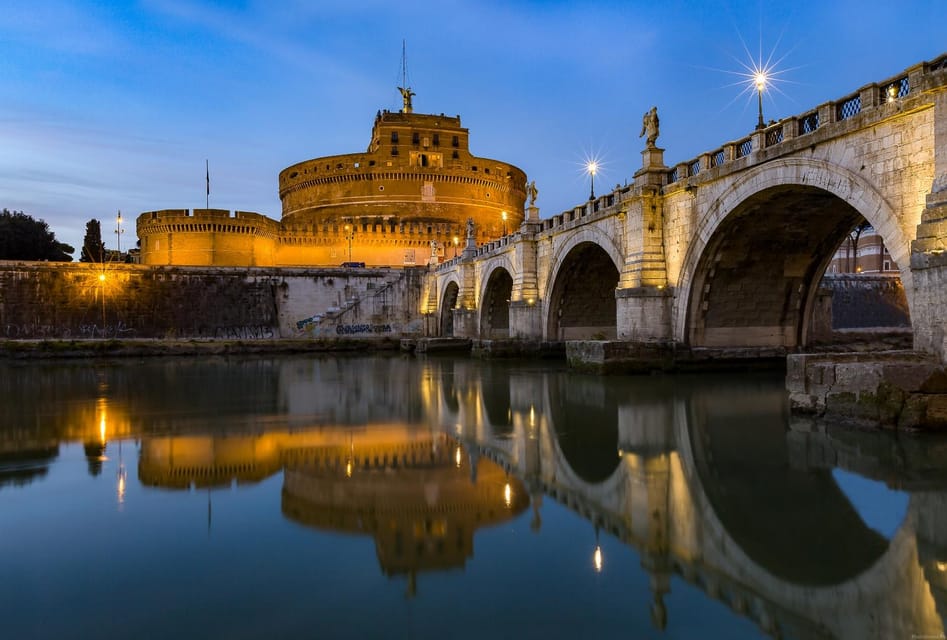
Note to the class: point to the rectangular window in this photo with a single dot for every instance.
(437, 140)
(394, 137)
(455, 141)
(415, 138)
(394, 151)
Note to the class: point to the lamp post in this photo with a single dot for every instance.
(456, 242)
(760, 82)
(591, 167)
(118, 232)
(348, 236)
(503, 217)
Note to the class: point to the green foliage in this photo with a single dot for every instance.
(23, 238)
(93, 249)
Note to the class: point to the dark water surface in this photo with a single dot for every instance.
(391, 497)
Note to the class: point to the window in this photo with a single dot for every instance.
(394, 151)
(394, 138)
(455, 141)
(415, 138)
(437, 140)
(455, 155)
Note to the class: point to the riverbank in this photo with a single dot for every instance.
(48, 349)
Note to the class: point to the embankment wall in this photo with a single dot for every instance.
(86, 301)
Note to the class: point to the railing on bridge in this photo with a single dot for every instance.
(871, 96)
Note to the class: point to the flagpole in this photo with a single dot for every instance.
(207, 198)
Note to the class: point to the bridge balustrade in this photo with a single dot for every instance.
(888, 90)
(848, 107)
(808, 123)
(774, 135)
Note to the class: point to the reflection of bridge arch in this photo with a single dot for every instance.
(844, 603)
(495, 304)
(765, 242)
(584, 434)
(582, 292)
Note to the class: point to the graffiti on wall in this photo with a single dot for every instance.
(65, 332)
(350, 329)
(244, 332)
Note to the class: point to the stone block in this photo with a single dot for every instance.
(857, 376)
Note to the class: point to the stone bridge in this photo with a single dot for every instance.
(726, 249)
(669, 479)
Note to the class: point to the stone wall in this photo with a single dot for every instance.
(79, 301)
(861, 301)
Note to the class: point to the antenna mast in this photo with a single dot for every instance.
(405, 90)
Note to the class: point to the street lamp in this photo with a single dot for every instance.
(456, 242)
(348, 236)
(503, 216)
(118, 232)
(760, 80)
(591, 166)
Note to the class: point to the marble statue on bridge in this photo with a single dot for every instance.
(650, 127)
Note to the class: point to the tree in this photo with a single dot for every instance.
(853, 237)
(93, 249)
(23, 238)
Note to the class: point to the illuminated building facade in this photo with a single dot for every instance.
(406, 198)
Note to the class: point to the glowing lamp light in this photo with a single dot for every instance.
(597, 560)
(348, 469)
(760, 80)
(101, 277)
(591, 167)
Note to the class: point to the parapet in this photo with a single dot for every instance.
(206, 220)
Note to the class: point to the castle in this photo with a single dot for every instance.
(406, 199)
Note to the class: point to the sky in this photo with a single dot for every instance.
(116, 106)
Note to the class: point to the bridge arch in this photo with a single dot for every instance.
(580, 293)
(749, 277)
(495, 301)
(448, 301)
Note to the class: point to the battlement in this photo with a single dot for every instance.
(204, 220)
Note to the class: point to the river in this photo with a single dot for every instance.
(389, 496)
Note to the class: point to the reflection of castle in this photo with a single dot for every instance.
(421, 504)
(416, 184)
(415, 492)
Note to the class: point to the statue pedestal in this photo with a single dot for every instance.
(532, 213)
(652, 171)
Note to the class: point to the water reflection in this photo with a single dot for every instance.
(706, 479)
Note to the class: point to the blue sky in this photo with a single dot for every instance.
(108, 106)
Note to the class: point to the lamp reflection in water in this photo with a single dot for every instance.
(457, 459)
(598, 561)
(508, 495)
(122, 477)
(348, 461)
